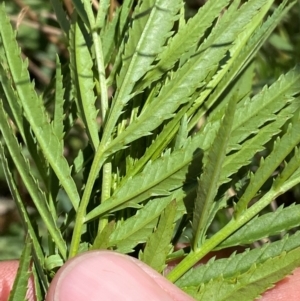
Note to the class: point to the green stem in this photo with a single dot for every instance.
(192, 258)
(99, 156)
(81, 212)
(107, 168)
(101, 72)
(105, 194)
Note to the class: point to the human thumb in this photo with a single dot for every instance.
(106, 275)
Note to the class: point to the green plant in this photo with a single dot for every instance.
(139, 80)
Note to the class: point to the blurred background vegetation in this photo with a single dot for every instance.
(40, 39)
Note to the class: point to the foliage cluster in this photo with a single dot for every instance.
(177, 145)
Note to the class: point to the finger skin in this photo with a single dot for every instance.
(287, 289)
(108, 269)
(8, 271)
(106, 275)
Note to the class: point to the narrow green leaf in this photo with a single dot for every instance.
(182, 134)
(238, 264)
(159, 177)
(244, 51)
(61, 15)
(19, 289)
(11, 102)
(30, 182)
(246, 55)
(34, 109)
(58, 128)
(209, 181)
(37, 284)
(187, 38)
(263, 107)
(159, 144)
(250, 147)
(83, 79)
(159, 245)
(58, 118)
(108, 37)
(102, 13)
(13, 107)
(192, 75)
(126, 8)
(283, 219)
(53, 261)
(27, 224)
(82, 12)
(288, 170)
(282, 147)
(102, 239)
(251, 284)
(139, 227)
(152, 23)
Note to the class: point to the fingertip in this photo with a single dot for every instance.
(8, 272)
(286, 289)
(111, 276)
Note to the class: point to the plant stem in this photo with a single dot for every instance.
(99, 158)
(105, 194)
(107, 168)
(191, 259)
(81, 212)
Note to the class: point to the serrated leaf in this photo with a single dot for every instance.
(192, 76)
(83, 79)
(151, 26)
(108, 37)
(283, 219)
(159, 245)
(238, 264)
(241, 54)
(247, 53)
(30, 182)
(10, 100)
(263, 107)
(37, 284)
(159, 144)
(19, 289)
(13, 107)
(182, 134)
(34, 110)
(282, 147)
(58, 128)
(288, 170)
(186, 38)
(250, 147)
(159, 177)
(102, 13)
(102, 239)
(58, 116)
(137, 228)
(124, 16)
(53, 261)
(251, 284)
(210, 178)
(27, 224)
